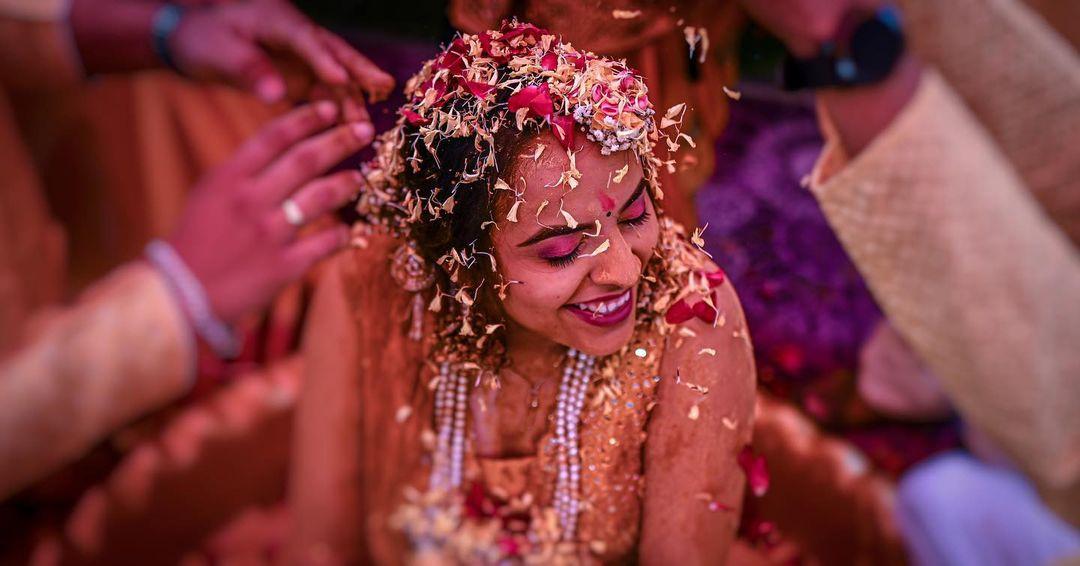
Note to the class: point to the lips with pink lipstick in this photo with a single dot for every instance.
(605, 311)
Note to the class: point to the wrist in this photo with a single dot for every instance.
(167, 20)
(862, 47)
(861, 113)
(192, 296)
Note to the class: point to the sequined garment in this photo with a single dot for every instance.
(381, 405)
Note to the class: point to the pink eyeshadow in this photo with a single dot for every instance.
(560, 246)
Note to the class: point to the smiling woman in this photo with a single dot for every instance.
(524, 359)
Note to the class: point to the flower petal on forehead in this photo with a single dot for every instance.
(570, 221)
(621, 173)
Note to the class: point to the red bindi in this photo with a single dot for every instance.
(606, 202)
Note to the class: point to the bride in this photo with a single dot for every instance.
(521, 360)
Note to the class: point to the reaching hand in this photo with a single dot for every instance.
(802, 24)
(239, 232)
(247, 43)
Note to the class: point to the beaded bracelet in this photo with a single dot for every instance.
(192, 296)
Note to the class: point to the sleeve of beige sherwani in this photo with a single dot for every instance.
(1021, 80)
(123, 349)
(972, 272)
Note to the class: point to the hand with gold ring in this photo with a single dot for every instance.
(239, 234)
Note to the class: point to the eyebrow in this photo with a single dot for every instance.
(555, 231)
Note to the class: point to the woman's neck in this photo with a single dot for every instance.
(531, 355)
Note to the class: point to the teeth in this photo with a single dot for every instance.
(606, 307)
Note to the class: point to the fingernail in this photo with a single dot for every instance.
(269, 89)
(326, 109)
(363, 131)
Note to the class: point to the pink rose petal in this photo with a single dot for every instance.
(678, 313)
(563, 128)
(757, 475)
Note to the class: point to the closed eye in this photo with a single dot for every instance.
(562, 251)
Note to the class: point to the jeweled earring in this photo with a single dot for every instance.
(414, 274)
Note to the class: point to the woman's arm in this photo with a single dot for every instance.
(694, 488)
(324, 485)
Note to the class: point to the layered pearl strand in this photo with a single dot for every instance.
(451, 404)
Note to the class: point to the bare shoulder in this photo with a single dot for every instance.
(708, 364)
(715, 336)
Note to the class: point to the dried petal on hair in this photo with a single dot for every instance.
(512, 216)
(448, 205)
(733, 94)
(403, 413)
(704, 34)
(696, 238)
(625, 14)
(619, 174)
(436, 302)
(462, 296)
(603, 247)
(414, 118)
(562, 126)
(676, 110)
(491, 328)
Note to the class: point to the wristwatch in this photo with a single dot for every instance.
(863, 51)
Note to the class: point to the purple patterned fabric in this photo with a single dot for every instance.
(808, 308)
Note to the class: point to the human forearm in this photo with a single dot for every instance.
(970, 272)
(124, 349)
(860, 114)
(114, 35)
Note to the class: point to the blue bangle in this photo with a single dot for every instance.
(165, 22)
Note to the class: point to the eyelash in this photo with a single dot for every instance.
(641, 219)
(563, 261)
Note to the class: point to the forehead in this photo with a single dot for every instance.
(602, 181)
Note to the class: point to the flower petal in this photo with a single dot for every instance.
(562, 127)
(678, 313)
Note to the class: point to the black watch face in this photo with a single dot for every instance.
(869, 56)
(875, 48)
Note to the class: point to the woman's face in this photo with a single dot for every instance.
(575, 285)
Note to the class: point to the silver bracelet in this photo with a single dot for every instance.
(192, 296)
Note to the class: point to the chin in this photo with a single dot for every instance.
(605, 342)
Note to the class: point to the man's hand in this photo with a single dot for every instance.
(234, 234)
(802, 24)
(247, 43)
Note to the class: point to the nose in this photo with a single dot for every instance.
(618, 267)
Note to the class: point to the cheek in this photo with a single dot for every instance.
(643, 239)
(534, 303)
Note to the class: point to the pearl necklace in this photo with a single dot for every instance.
(451, 403)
